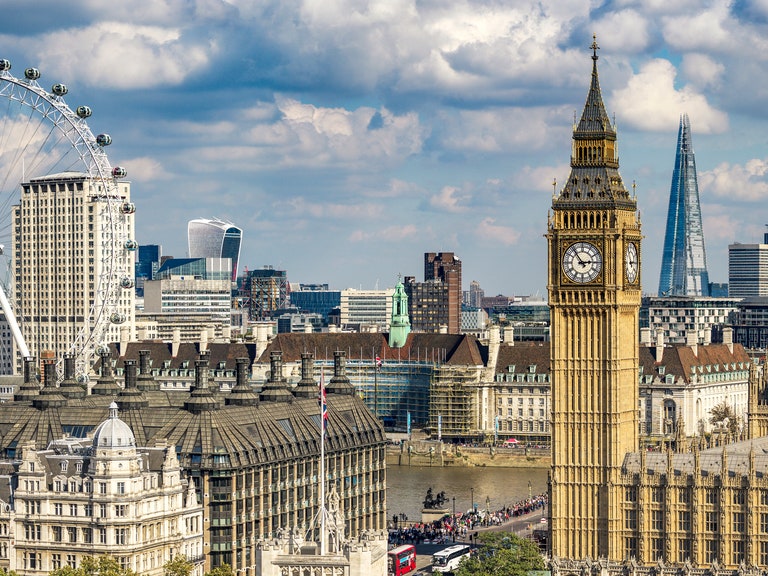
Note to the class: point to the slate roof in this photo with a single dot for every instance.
(523, 355)
(680, 360)
(451, 349)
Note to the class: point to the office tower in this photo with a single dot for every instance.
(428, 305)
(148, 260)
(268, 291)
(214, 238)
(594, 240)
(474, 298)
(748, 269)
(366, 310)
(66, 254)
(684, 261)
(446, 267)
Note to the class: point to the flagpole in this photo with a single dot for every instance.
(323, 417)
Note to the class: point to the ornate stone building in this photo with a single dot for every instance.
(105, 495)
(253, 456)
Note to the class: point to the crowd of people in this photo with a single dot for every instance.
(461, 526)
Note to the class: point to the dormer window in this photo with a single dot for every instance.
(532, 369)
(511, 368)
(63, 466)
(662, 370)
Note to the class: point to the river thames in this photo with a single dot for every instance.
(407, 486)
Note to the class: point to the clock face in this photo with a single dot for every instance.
(631, 263)
(582, 262)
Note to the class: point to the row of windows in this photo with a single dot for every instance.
(711, 496)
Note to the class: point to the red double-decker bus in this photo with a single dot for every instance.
(401, 560)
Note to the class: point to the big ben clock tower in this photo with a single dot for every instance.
(593, 238)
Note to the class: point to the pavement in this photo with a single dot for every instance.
(522, 526)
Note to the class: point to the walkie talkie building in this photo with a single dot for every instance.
(684, 262)
(214, 238)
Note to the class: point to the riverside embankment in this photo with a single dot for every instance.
(435, 453)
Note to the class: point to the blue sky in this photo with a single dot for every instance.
(347, 138)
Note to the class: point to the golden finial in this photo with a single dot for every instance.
(594, 47)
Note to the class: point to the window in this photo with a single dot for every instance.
(71, 560)
(683, 551)
(657, 548)
(102, 510)
(56, 561)
(710, 523)
(73, 509)
(711, 497)
(56, 533)
(121, 487)
(710, 551)
(88, 509)
(102, 487)
(120, 509)
(630, 519)
(72, 533)
(88, 535)
(763, 553)
(738, 497)
(684, 521)
(657, 494)
(58, 509)
(763, 523)
(657, 520)
(121, 536)
(738, 522)
(738, 551)
(102, 535)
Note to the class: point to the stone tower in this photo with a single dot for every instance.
(593, 240)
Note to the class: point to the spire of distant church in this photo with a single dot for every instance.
(400, 324)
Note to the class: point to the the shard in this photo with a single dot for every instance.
(684, 262)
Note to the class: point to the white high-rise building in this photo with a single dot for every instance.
(73, 260)
(748, 269)
(366, 309)
(214, 238)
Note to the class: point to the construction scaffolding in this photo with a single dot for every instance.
(453, 402)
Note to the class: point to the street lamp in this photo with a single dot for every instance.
(530, 495)
(487, 503)
(472, 491)
(454, 505)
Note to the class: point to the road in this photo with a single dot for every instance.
(520, 525)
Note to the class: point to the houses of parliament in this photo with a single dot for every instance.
(614, 507)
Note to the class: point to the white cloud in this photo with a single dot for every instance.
(450, 199)
(490, 231)
(702, 70)
(651, 102)
(389, 234)
(746, 182)
(120, 55)
(146, 169)
(627, 29)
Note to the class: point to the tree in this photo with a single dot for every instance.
(90, 566)
(723, 416)
(179, 566)
(223, 570)
(502, 554)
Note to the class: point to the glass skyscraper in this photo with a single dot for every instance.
(684, 261)
(214, 238)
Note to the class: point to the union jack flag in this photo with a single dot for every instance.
(323, 403)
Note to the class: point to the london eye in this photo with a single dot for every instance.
(41, 138)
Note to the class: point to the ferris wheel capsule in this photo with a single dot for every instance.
(83, 111)
(32, 73)
(5, 65)
(117, 318)
(60, 89)
(128, 208)
(103, 140)
(127, 282)
(131, 245)
(119, 172)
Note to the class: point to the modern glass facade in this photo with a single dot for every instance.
(748, 269)
(316, 301)
(214, 238)
(684, 261)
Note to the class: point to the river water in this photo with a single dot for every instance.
(407, 486)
